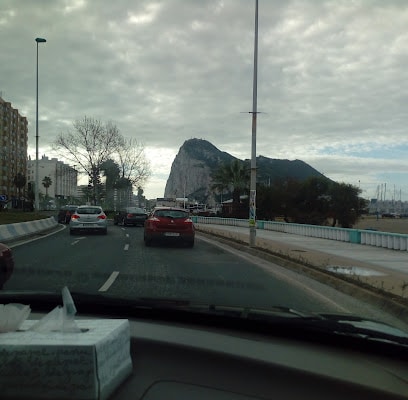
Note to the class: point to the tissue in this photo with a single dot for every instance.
(12, 316)
(60, 319)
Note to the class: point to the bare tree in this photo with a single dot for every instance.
(92, 143)
(89, 145)
(132, 162)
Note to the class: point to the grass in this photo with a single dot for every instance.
(11, 217)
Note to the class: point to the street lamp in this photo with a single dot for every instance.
(37, 185)
(252, 199)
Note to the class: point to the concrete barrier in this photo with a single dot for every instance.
(22, 229)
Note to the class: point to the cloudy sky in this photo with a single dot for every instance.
(332, 79)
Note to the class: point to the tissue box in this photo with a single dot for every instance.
(86, 365)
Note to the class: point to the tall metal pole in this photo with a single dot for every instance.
(36, 143)
(37, 185)
(252, 198)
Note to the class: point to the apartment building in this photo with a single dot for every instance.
(13, 148)
(63, 177)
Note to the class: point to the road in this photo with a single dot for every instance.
(120, 265)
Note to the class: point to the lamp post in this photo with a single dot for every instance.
(37, 185)
(252, 198)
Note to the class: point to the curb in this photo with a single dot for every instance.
(398, 307)
(20, 230)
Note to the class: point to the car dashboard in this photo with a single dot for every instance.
(183, 359)
(183, 362)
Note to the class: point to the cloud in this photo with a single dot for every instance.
(331, 77)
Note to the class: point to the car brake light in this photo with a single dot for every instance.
(155, 219)
(75, 216)
(103, 216)
(6, 253)
(188, 220)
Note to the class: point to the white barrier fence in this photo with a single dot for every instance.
(22, 229)
(393, 241)
(324, 232)
(387, 240)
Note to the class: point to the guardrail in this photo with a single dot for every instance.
(393, 241)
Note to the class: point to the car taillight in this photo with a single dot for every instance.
(188, 220)
(154, 219)
(75, 216)
(102, 216)
(6, 253)
(130, 215)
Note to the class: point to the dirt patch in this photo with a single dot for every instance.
(393, 225)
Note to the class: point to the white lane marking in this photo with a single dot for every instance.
(25, 241)
(77, 241)
(126, 247)
(109, 281)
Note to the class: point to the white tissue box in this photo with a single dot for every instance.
(86, 365)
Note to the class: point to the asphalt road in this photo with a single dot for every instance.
(119, 265)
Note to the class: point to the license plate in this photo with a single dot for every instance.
(171, 234)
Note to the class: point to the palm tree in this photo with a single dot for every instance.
(47, 182)
(234, 177)
(19, 182)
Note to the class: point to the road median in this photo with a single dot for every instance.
(20, 230)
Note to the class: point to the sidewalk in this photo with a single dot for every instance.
(383, 269)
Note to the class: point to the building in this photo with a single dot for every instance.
(63, 178)
(13, 149)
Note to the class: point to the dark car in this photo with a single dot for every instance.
(65, 212)
(169, 223)
(130, 216)
(6, 264)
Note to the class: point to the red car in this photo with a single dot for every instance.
(169, 223)
(6, 264)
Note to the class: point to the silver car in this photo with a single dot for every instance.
(88, 218)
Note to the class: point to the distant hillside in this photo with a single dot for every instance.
(197, 160)
(271, 169)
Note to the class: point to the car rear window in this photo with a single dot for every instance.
(89, 210)
(135, 210)
(171, 214)
(68, 208)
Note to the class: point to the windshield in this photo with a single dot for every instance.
(233, 163)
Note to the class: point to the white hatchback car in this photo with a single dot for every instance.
(88, 218)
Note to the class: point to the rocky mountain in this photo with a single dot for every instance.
(197, 160)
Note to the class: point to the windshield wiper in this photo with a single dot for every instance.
(337, 324)
(274, 320)
(289, 318)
